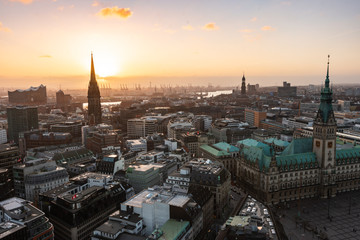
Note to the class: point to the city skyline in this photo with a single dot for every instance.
(171, 43)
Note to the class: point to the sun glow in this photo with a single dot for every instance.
(106, 66)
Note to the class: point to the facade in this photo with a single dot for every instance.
(62, 100)
(136, 145)
(190, 142)
(37, 176)
(94, 105)
(6, 186)
(143, 176)
(286, 90)
(30, 96)
(101, 140)
(222, 152)
(202, 122)
(9, 157)
(157, 205)
(12, 231)
(37, 138)
(254, 117)
(307, 167)
(22, 213)
(141, 127)
(77, 213)
(178, 126)
(74, 128)
(110, 164)
(180, 179)
(3, 136)
(136, 128)
(21, 119)
(120, 224)
(215, 178)
(229, 130)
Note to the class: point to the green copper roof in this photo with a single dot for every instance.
(347, 153)
(277, 142)
(298, 145)
(298, 152)
(214, 151)
(296, 159)
(255, 153)
(253, 143)
(225, 147)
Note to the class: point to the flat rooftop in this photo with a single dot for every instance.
(172, 229)
(157, 194)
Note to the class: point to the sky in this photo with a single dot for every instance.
(178, 42)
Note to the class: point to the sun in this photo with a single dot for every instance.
(106, 65)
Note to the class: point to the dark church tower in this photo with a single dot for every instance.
(243, 86)
(94, 107)
(324, 141)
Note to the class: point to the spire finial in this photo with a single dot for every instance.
(327, 73)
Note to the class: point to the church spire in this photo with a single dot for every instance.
(243, 85)
(327, 81)
(326, 109)
(92, 71)
(94, 105)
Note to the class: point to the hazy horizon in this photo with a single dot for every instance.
(221, 81)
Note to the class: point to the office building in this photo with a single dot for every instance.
(22, 213)
(21, 119)
(286, 90)
(254, 117)
(36, 176)
(76, 211)
(214, 177)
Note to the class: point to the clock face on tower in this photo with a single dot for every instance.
(317, 143)
(329, 144)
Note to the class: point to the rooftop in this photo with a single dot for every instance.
(214, 151)
(226, 147)
(172, 229)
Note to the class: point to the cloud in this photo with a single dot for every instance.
(210, 27)
(267, 28)
(45, 56)
(115, 12)
(61, 8)
(188, 27)
(246, 30)
(253, 19)
(4, 29)
(22, 1)
(286, 3)
(95, 3)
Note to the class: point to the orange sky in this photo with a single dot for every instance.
(50, 41)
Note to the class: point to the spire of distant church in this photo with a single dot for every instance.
(243, 85)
